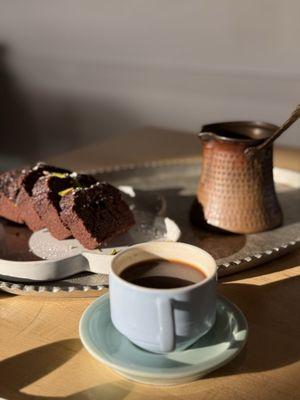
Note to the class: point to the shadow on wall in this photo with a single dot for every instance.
(68, 121)
(39, 122)
(18, 135)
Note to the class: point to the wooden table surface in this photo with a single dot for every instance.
(41, 354)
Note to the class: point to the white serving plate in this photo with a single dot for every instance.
(49, 259)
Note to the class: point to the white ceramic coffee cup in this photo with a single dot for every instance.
(163, 320)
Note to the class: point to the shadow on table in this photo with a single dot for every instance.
(5, 295)
(274, 326)
(21, 370)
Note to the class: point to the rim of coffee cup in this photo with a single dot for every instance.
(208, 275)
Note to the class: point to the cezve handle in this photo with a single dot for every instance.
(250, 151)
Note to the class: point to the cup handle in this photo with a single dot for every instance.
(166, 325)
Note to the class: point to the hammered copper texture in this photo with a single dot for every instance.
(237, 192)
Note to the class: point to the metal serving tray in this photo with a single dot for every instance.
(176, 182)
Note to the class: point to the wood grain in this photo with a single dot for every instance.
(41, 356)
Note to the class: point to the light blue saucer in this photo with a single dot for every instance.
(220, 345)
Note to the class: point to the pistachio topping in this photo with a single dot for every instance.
(59, 174)
(65, 192)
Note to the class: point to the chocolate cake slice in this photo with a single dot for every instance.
(10, 184)
(46, 195)
(24, 201)
(95, 214)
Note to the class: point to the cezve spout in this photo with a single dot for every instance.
(205, 135)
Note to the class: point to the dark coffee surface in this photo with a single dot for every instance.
(162, 274)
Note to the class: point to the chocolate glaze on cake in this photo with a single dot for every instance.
(10, 183)
(95, 214)
(46, 195)
(24, 201)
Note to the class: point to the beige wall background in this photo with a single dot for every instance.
(76, 71)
